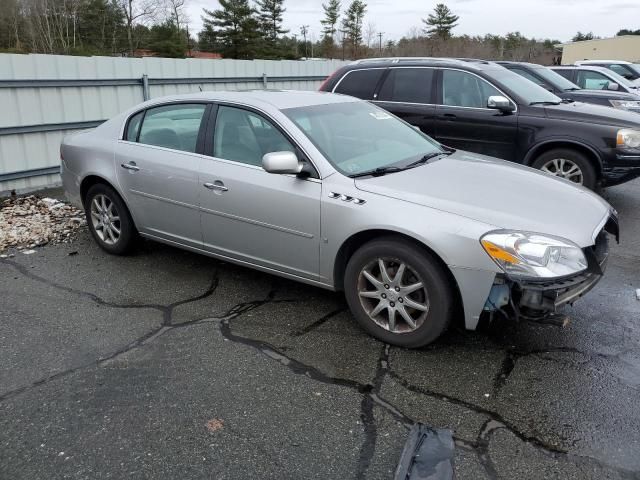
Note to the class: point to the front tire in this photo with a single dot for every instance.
(569, 164)
(398, 292)
(109, 220)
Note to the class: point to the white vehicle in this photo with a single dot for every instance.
(628, 70)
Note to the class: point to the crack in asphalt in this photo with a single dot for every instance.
(370, 391)
(318, 323)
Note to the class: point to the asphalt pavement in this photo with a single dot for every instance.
(166, 364)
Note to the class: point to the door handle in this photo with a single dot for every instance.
(213, 186)
(448, 116)
(130, 166)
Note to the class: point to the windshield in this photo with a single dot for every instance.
(358, 137)
(556, 79)
(527, 91)
(619, 79)
(635, 67)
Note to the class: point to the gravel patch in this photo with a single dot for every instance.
(31, 221)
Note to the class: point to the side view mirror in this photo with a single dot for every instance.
(613, 86)
(498, 102)
(281, 162)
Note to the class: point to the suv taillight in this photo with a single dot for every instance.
(327, 80)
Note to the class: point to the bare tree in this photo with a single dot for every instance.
(137, 11)
(370, 32)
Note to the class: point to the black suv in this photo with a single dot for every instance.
(566, 90)
(482, 107)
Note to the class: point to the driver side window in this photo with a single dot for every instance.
(244, 136)
(592, 80)
(462, 89)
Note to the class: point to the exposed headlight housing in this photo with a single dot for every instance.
(628, 138)
(533, 255)
(625, 104)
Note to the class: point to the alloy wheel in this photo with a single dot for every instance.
(393, 295)
(562, 167)
(105, 219)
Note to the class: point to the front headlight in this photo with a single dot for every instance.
(532, 255)
(625, 104)
(628, 138)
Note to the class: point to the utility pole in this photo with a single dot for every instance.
(304, 29)
(380, 34)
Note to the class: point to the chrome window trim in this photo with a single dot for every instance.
(484, 80)
(214, 102)
(333, 90)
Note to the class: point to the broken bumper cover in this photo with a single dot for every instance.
(537, 299)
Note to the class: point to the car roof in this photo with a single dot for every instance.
(585, 62)
(524, 64)
(279, 99)
(583, 67)
(467, 63)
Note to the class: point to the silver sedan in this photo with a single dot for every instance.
(335, 192)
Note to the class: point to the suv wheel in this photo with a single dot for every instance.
(109, 220)
(569, 164)
(398, 292)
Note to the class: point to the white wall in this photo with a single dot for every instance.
(38, 105)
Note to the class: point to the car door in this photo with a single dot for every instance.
(248, 214)
(407, 92)
(592, 80)
(157, 168)
(463, 120)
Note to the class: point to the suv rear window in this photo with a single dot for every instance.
(360, 83)
(411, 85)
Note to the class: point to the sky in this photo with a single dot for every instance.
(555, 19)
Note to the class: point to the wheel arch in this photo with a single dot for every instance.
(549, 145)
(355, 241)
(93, 179)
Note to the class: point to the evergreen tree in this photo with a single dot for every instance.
(236, 26)
(352, 25)
(167, 40)
(331, 16)
(580, 37)
(441, 22)
(270, 13)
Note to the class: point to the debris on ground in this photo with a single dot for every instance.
(637, 293)
(427, 455)
(215, 424)
(28, 222)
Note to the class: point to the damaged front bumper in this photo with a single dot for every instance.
(541, 299)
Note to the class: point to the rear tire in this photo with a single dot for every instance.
(569, 164)
(109, 220)
(410, 304)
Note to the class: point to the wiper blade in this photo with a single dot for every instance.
(572, 89)
(545, 103)
(427, 157)
(377, 172)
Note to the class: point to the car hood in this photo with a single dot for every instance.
(498, 193)
(590, 113)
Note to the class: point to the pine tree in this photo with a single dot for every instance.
(236, 26)
(270, 13)
(441, 22)
(352, 24)
(331, 16)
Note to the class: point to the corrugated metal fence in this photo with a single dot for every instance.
(44, 97)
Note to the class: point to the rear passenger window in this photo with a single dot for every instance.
(360, 83)
(133, 126)
(411, 85)
(565, 73)
(173, 126)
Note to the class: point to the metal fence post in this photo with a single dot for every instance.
(264, 81)
(145, 87)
